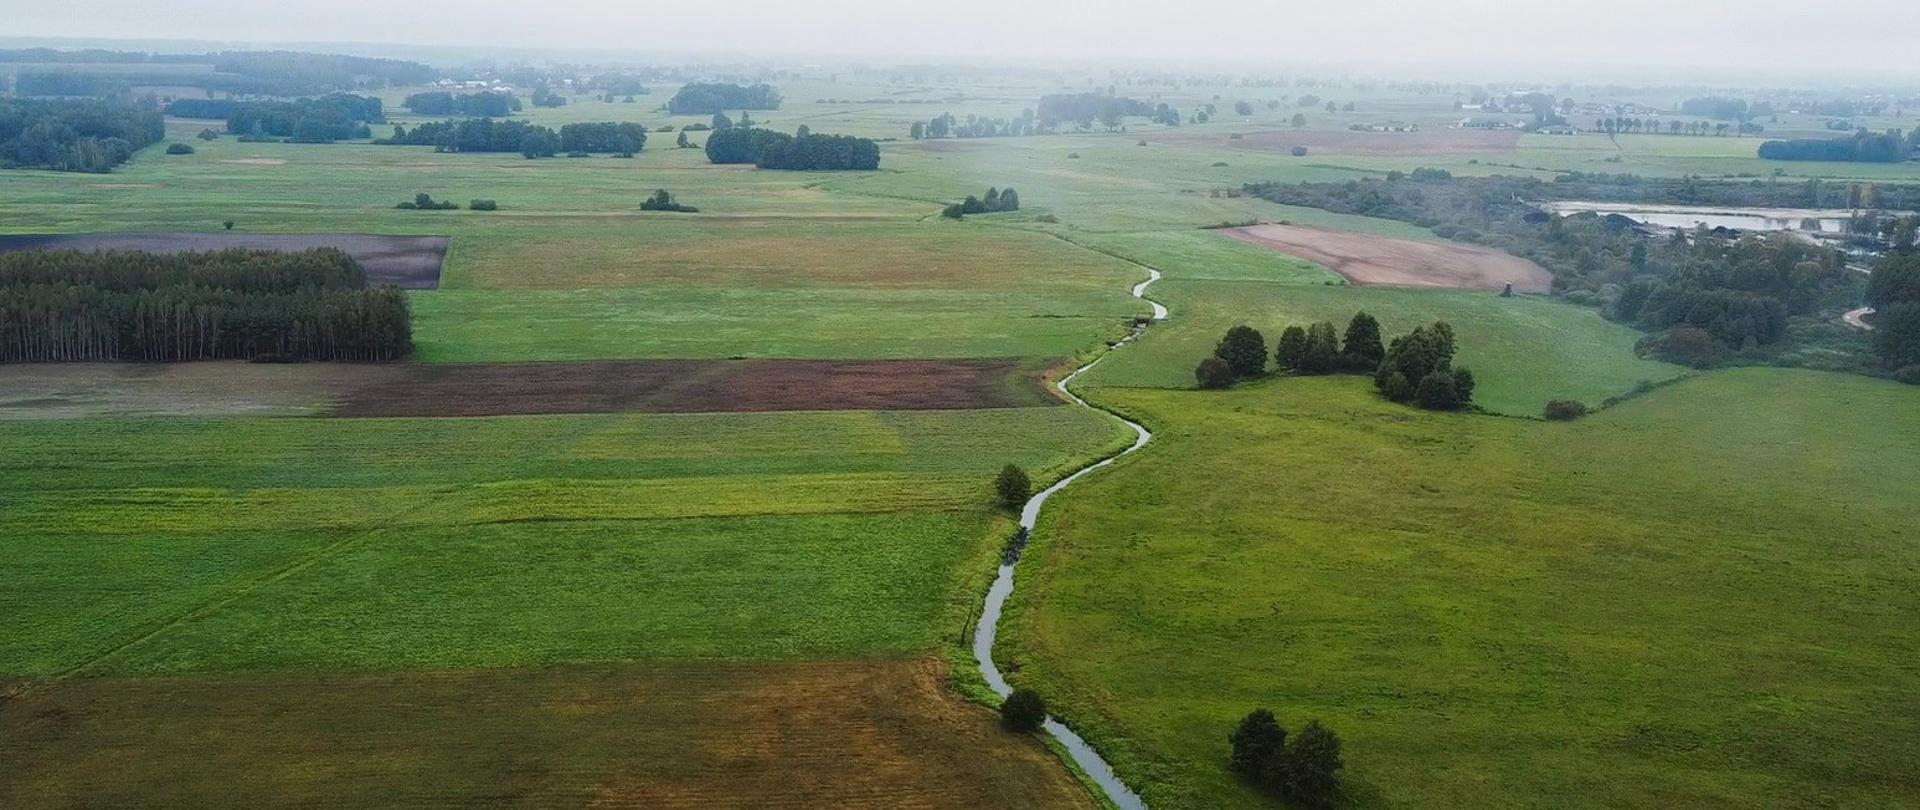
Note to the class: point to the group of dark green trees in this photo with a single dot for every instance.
(1866, 147)
(325, 119)
(1083, 110)
(708, 98)
(1894, 292)
(777, 150)
(662, 200)
(946, 125)
(65, 305)
(484, 104)
(1416, 368)
(995, 202)
(530, 140)
(1303, 769)
(75, 135)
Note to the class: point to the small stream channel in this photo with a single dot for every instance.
(989, 626)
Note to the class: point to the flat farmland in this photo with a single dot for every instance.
(867, 734)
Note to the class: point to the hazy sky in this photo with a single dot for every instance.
(1777, 35)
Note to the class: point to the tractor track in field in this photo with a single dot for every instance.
(987, 629)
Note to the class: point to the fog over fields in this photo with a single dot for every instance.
(1625, 37)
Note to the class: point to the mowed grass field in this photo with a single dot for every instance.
(1701, 598)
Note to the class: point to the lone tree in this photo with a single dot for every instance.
(1257, 741)
(1012, 486)
(1023, 711)
(1363, 347)
(1245, 351)
(1213, 373)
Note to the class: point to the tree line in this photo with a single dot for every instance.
(777, 150)
(484, 104)
(530, 140)
(1416, 368)
(1862, 147)
(75, 135)
(259, 73)
(66, 305)
(324, 119)
(996, 201)
(1894, 292)
(707, 98)
(1084, 109)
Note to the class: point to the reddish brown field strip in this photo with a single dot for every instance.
(882, 734)
(1368, 259)
(695, 386)
(409, 262)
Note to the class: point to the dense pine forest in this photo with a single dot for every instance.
(233, 304)
(74, 135)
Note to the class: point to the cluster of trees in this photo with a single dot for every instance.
(996, 201)
(484, 104)
(1724, 108)
(325, 119)
(1303, 770)
(662, 200)
(1894, 292)
(1416, 368)
(976, 126)
(530, 140)
(1739, 290)
(75, 135)
(777, 150)
(1083, 109)
(1863, 147)
(425, 202)
(543, 96)
(707, 98)
(624, 84)
(620, 138)
(61, 306)
(320, 72)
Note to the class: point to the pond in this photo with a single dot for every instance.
(1805, 220)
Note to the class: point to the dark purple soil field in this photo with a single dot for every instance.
(408, 262)
(695, 386)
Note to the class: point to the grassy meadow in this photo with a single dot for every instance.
(1701, 598)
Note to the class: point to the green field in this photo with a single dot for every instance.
(152, 546)
(1702, 598)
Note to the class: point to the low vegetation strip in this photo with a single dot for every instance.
(831, 734)
(1368, 259)
(697, 386)
(407, 262)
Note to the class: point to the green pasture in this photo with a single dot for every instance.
(1701, 598)
(163, 545)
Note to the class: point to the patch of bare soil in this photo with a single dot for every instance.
(869, 734)
(695, 386)
(1369, 259)
(1343, 142)
(410, 262)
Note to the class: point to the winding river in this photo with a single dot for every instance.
(989, 627)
